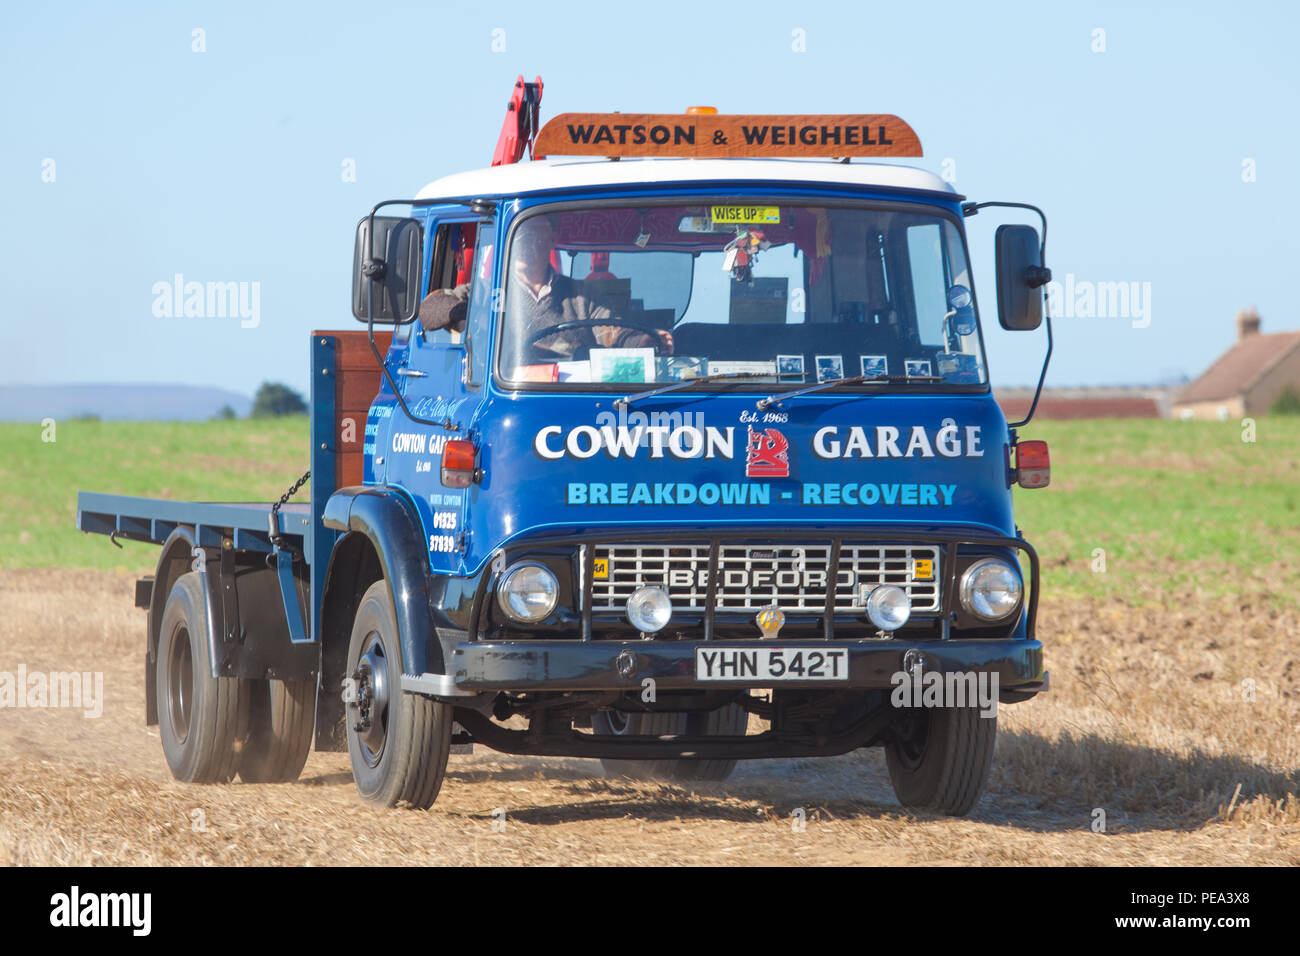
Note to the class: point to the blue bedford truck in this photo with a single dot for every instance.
(703, 465)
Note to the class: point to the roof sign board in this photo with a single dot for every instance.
(725, 136)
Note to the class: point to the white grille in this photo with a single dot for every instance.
(751, 577)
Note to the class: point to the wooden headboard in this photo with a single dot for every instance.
(356, 383)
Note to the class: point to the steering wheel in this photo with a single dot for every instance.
(567, 326)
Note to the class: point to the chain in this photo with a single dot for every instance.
(276, 537)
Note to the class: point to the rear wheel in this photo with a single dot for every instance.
(728, 721)
(281, 715)
(202, 719)
(939, 758)
(398, 742)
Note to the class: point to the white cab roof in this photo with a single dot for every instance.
(547, 174)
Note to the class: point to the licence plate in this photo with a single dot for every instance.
(771, 663)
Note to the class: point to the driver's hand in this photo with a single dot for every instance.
(666, 341)
(607, 335)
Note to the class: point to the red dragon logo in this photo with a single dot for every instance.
(767, 455)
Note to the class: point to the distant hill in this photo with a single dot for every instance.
(31, 403)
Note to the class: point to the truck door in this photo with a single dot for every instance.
(432, 380)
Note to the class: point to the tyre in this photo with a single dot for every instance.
(398, 742)
(939, 758)
(728, 721)
(281, 717)
(202, 719)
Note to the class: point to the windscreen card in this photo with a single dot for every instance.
(751, 368)
(622, 365)
(917, 368)
(574, 371)
(830, 367)
(875, 366)
(679, 368)
(537, 373)
(790, 366)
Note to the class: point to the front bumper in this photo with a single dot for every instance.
(573, 561)
(596, 665)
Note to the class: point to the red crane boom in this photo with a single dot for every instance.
(520, 126)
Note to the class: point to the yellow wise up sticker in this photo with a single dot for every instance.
(923, 569)
(746, 214)
(601, 571)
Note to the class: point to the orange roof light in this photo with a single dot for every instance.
(705, 110)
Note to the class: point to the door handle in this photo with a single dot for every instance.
(412, 373)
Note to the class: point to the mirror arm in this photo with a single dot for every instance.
(972, 208)
(446, 423)
(1036, 277)
(1042, 376)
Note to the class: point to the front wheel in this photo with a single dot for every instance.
(398, 742)
(939, 758)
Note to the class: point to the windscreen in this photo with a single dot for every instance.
(774, 292)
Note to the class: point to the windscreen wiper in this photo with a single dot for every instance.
(627, 400)
(777, 399)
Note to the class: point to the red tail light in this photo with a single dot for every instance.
(1033, 464)
(458, 466)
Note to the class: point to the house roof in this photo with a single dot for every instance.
(549, 174)
(1240, 367)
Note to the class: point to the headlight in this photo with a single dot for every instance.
(991, 589)
(889, 607)
(528, 593)
(649, 609)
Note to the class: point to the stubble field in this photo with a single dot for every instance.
(1170, 619)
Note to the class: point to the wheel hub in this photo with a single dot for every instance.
(372, 698)
(910, 734)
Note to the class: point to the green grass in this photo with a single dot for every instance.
(198, 461)
(1175, 506)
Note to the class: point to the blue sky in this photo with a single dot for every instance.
(226, 165)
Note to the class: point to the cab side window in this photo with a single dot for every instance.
(453, 255)
(451, 264)
(482, 305)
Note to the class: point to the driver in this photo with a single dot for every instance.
(542, 297)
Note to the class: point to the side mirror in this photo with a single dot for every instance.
(1020, 276)
(390, 266)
